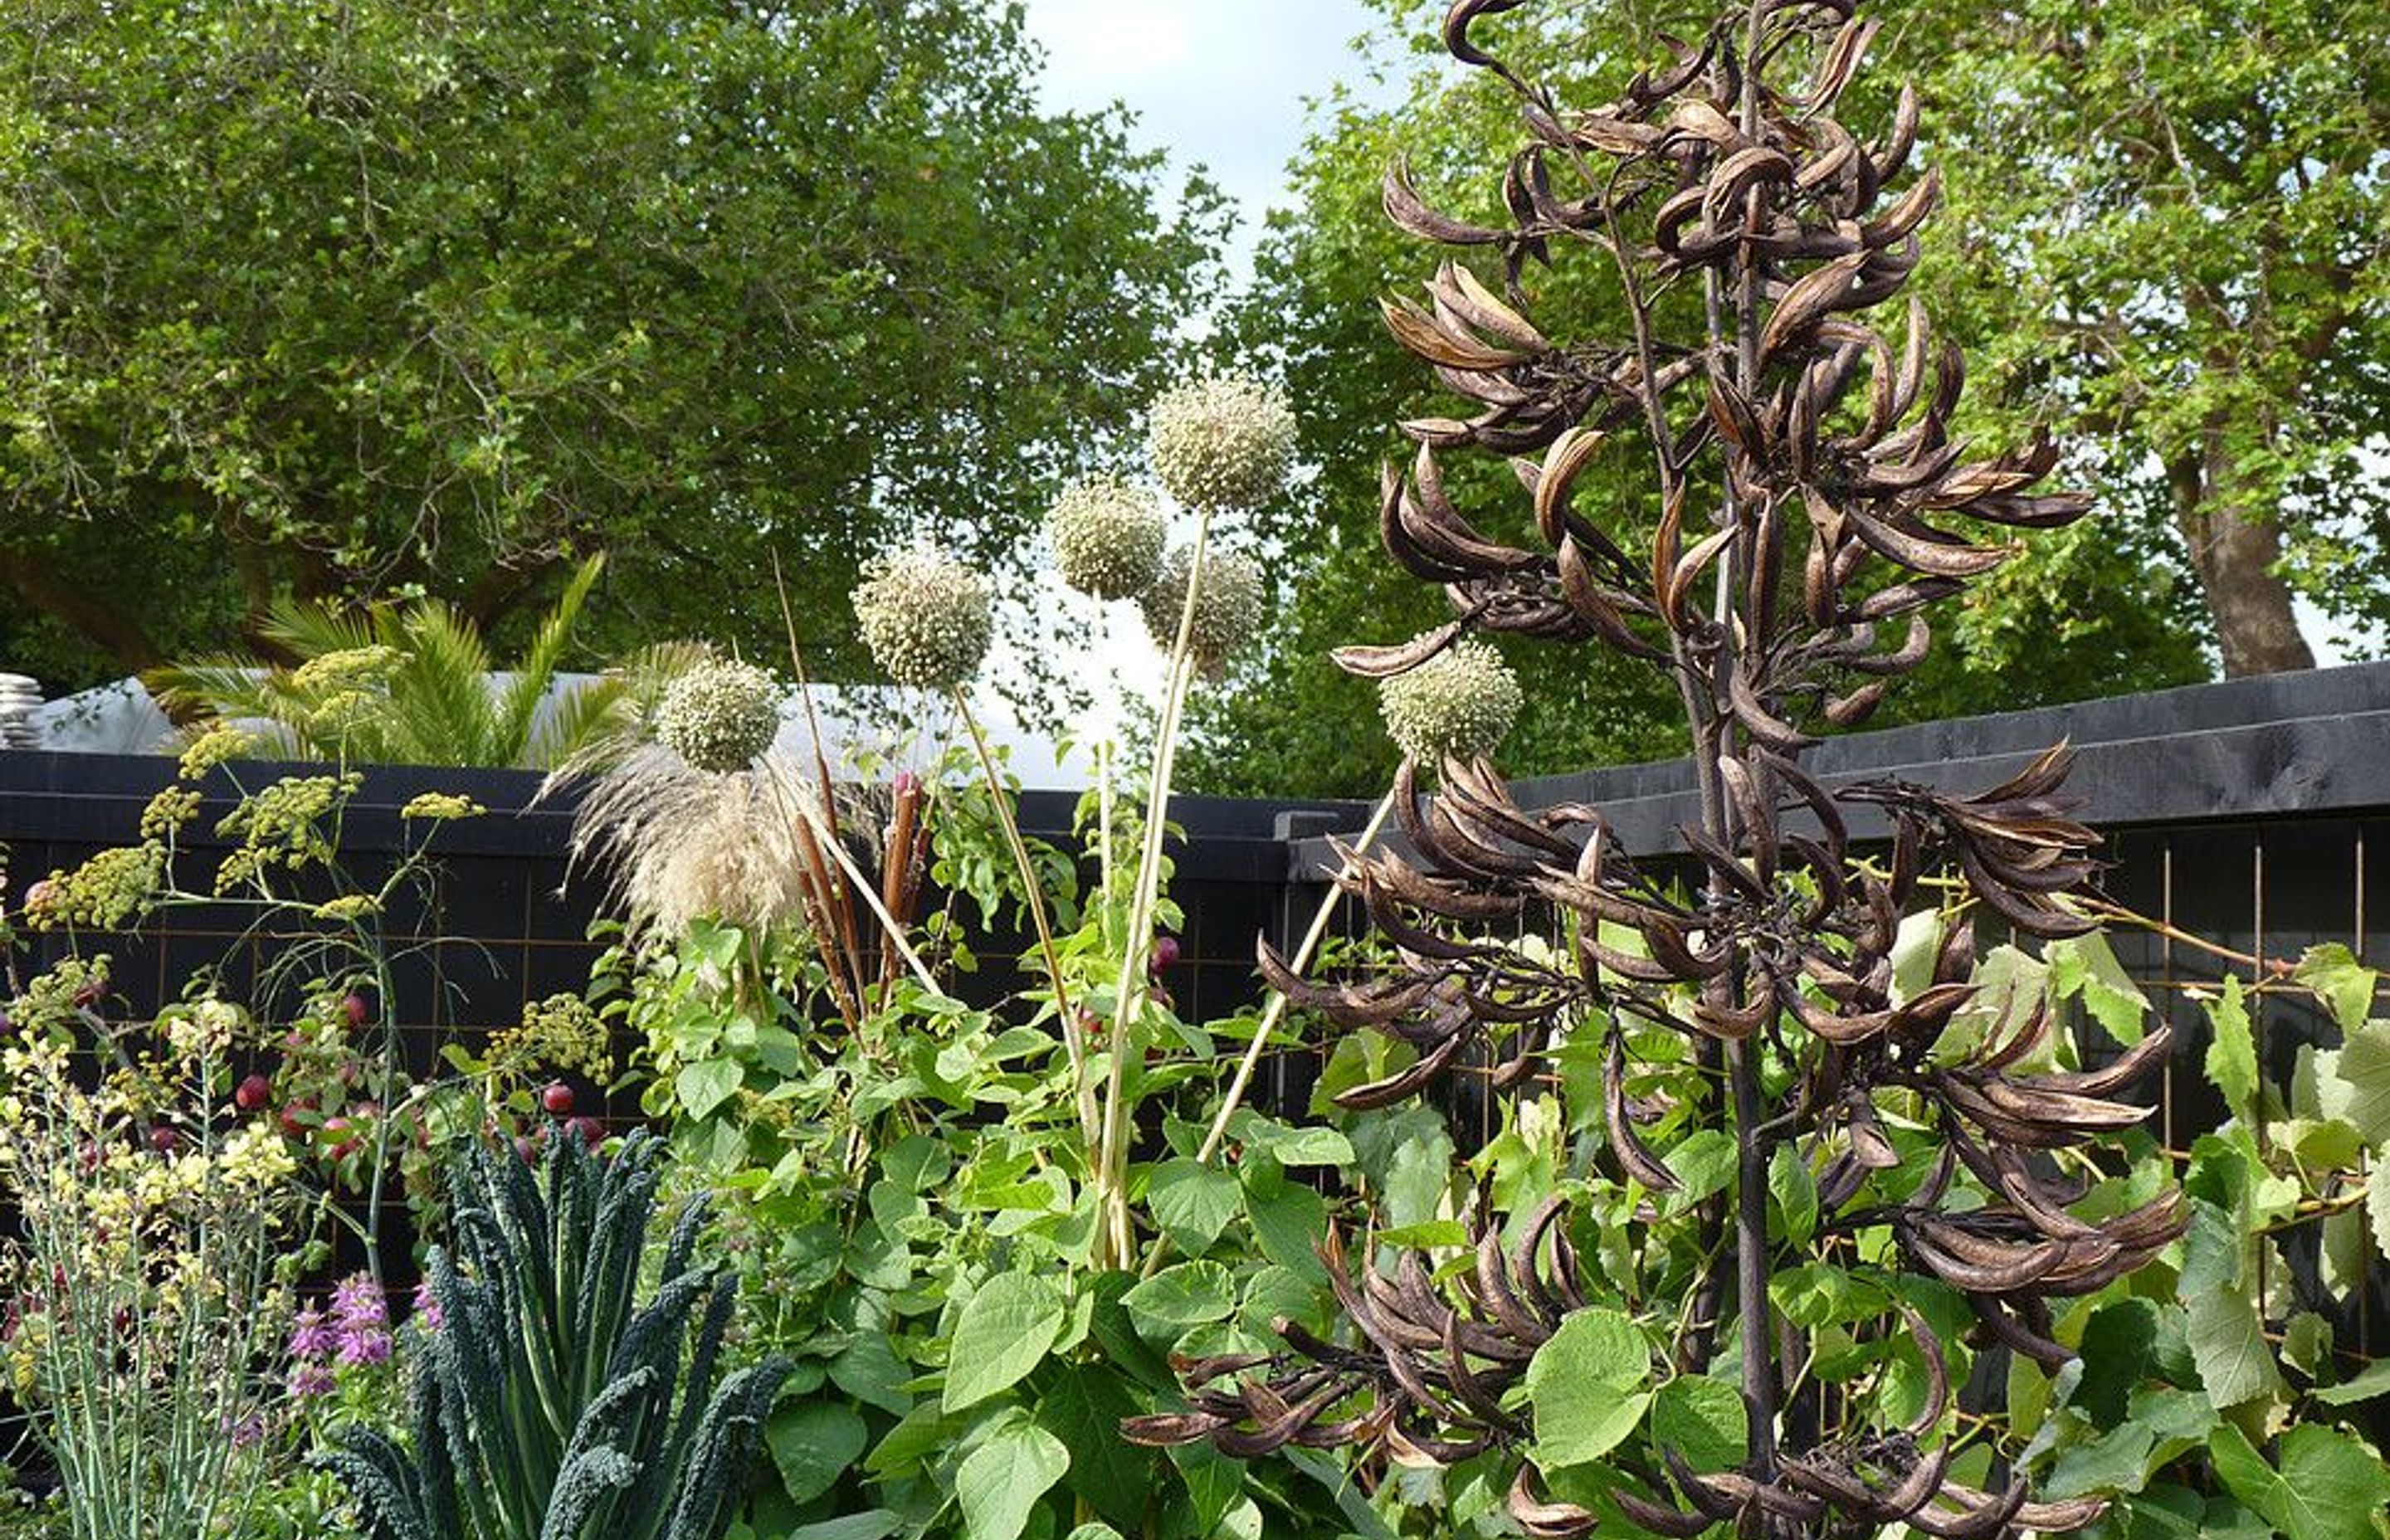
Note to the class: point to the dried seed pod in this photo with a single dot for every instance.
(1808, 493)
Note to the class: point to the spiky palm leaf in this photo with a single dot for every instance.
(438, 702)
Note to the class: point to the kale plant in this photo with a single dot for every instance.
(548, 1403)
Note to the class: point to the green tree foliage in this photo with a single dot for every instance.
(390, 297)
(2173, 221)
(2270, 390)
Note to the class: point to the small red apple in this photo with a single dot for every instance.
(165, 1140)
(294, 1121)
(1165, 953)
(525, 1150)
(253, 1092)
(557, 1097)
(357, 1009)
(592, 1132)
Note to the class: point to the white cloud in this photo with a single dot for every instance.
(1219, 83)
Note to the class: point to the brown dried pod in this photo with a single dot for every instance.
(1813, 503)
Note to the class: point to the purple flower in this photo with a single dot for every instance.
(427, 1306)
(311, 1337)
(365, 1347)
(312, 1380)
(357, 1304)
(250, 1431)
(361, 1319)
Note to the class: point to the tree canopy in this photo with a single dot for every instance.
(2207, 343)
(398, 297)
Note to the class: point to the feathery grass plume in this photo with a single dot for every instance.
(1457, 705)
(1108, 537)
(681, 844)
(1222, 441)
(720, 715)
(1228, 606)
(926, 617)
(552, 1404)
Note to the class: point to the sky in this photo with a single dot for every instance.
(1219, 83)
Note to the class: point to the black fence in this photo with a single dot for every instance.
(2254, 815)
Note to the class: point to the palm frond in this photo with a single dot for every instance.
(441, 699)
(534, 672)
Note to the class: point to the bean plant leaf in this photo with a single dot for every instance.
(1289, 1221)
(1188, 1294)
(1585, 1386)
(1001, 1480)
(2232, 1057)
(876, 1523)
(1084, 1408)
(1795, 1192)
(706, 1084)
(1704, 1420)
(1006, 1327)
(2118, 1342)
(813, 1442)
(1703, 1161)
(1192, 1202)
(2228, 1342)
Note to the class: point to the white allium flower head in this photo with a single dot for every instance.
(927, 618)
(1108, 537)
(1460, 704)
(1222, 441)
(1227, 605)
(720, 715)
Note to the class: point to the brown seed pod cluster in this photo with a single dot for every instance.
(1811, 502)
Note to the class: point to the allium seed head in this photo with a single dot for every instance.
(926, 618)
(1227, 605)
(1460, 704)
(1222, 441)
(1108, 537)
(720, 715)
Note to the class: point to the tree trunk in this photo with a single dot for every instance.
(83, 608)
(2235, 544)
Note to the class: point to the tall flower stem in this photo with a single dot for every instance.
(1034, 892)
(1273, 1013)
(1116, 1240)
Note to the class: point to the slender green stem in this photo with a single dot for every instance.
(1273, 1013)
(1116, 1240)
(1082, 1091)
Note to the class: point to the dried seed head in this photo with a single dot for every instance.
(926, 617)
(720, 714)
(1460, 704)
(1227, 605)
(1222, 441)
(1108, 537)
